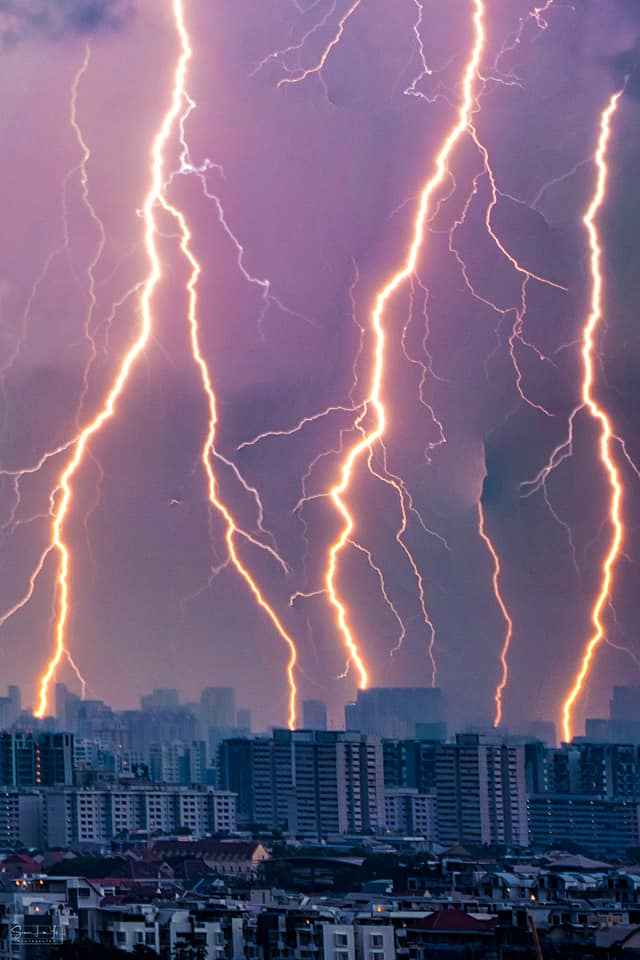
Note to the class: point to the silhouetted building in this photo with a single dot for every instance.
(67, 706)
(598, 730)
(235, 773)
(397, 712)
(243, 722)
(163, 698)
(624, 711)
(10, 707)
(314, 715)
(544, 730)
(218, 708)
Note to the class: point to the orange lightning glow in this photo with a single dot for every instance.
(374, 400)
(208, 448)
(590, 402)
(504, 676)
(64, 488)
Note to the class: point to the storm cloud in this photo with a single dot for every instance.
(53, 19)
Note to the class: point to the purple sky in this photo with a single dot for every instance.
(317, 184)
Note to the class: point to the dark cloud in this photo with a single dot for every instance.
(55, 18)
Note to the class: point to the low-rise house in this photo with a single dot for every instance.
(228, 858)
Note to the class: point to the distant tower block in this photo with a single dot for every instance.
(314, 715)
(398, 712)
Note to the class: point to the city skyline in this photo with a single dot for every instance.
(396, 230)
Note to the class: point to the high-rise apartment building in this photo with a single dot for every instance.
(481, 792)
(306, 782)
(595, 823)
(76, 815)
(21, 818)
(40, 759)
(178, 761)
(410, 813)
(410, 763)
(584, 767)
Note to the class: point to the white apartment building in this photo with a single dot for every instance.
(375, 942)
(89, 815)
(338, 942)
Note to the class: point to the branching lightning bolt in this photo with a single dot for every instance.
(208, 448)
(299, 75)
(64, 489)
(374, 403)
(189, 168)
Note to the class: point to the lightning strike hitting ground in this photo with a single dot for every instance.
(590, 402)
(208, 448)
(504, 652)
(374, 402)
(65, 483)
(17, 475)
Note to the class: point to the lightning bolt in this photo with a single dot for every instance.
(208, 448)
(598, 414)
(317, 69)
(17, 475)
(374, 403)
(506, 643)
(299, 45)
(64, 488)
(79, 168)
(63, 493)
(189, 168)
(99, 226)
